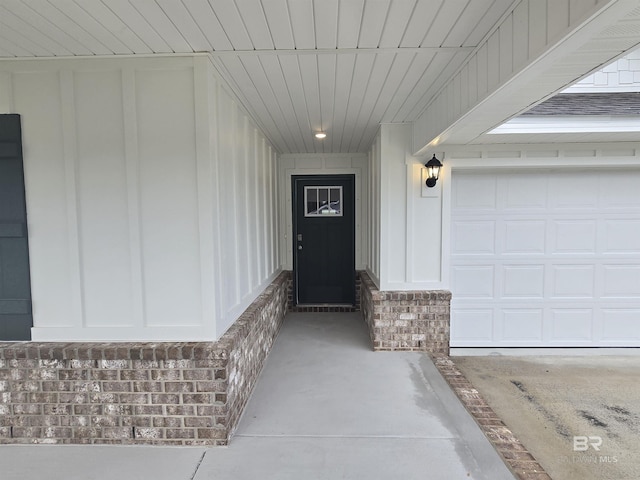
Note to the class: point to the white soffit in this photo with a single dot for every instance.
(298, 66)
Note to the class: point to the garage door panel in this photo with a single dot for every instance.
(474, 326)
(474, 237)
(574, 236)
(571, 326)
(523, 281)
(570, 191)
(475, 192)
(622, 194)
(622, 236)
(621, 281)
(546, 259)
(620, 325)
(525, 192)
(522, 325)
(524, 236)
(573, 281)
(474, 281)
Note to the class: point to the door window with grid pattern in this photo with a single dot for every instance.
(323, 201)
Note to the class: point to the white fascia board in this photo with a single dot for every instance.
(569, 124)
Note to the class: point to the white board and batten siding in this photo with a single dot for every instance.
(150, 194)
(545, 258)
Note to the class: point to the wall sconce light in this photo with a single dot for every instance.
(433, 171)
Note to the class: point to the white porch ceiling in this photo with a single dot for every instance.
(298, 66)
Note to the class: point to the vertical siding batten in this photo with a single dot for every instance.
(409, 252)
(232, 221)
(204, 182)
(70, 163)
(243, 186)
(520, 41)
(558, 14)
(254, 195)
(216, 216)
(6, 93)
(538, 26)
(262, 207)
(274, 238)
(132, 161)
(505, 49)
(225, 187)
(493, 62)
(376, 209)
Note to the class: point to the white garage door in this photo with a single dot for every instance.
(545, 259)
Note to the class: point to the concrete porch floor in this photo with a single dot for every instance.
(325, 407)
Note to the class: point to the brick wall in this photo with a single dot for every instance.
(406, 320)
(147, 393)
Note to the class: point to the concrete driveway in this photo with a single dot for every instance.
(578, 415)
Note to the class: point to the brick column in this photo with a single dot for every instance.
(406, 320)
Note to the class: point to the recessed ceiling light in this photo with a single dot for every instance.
(321, 135)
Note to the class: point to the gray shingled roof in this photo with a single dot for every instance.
(589, 104)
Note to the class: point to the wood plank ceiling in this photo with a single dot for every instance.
(298, 66)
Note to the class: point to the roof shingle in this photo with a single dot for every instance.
(627, 104)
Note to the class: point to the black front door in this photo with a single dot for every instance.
(324, 239)
(15, 287)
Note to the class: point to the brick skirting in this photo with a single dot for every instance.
(142, 393)
(407, 320)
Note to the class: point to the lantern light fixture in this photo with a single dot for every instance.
(433, 171)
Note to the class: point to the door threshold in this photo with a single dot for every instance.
(324, 307)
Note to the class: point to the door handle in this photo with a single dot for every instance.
(299, 247)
